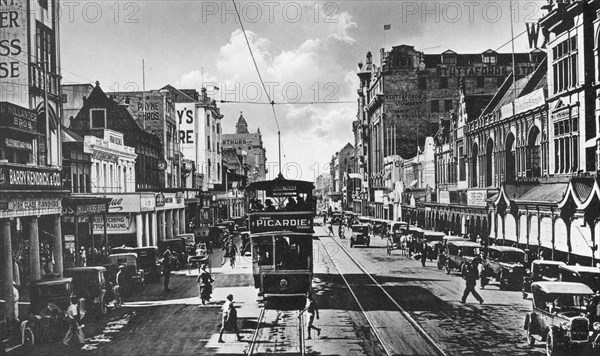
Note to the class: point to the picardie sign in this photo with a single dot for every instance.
(281, 221)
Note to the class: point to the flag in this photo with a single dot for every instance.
(387, 27)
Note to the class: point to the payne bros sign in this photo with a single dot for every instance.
(281, 221)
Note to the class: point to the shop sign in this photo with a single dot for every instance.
(16, 116)
(87, 209)
(530, 101)
(33, 206)
(129, 203)
(115, 224)
(21, 145)
(69, 237)
(147, 202)
(29, 178)
(477, 197)
(160, 199)
(563, 113)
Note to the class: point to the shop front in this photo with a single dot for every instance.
(170, 213)
(131, 220)
(30, 208)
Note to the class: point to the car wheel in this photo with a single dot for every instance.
(447, 266)
(28, 337)
(103, 306)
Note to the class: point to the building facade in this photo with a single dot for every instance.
(31, 188)
(248, 146)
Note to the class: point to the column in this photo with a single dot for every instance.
(57, 246)
(6, 270)
(182, 223)
(169, 223)
(138, 228)
(147, 238)
(162, 225)
(34, 250)
(175, 213)
(154, 238)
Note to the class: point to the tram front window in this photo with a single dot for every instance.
(293, 252)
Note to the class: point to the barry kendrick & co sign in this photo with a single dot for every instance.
(281, 221)
(12, 177)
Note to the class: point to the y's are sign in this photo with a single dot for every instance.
(185, 114)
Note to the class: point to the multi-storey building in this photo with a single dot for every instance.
(248, 146)
(402, 100)
(340, 168)
(31, 189)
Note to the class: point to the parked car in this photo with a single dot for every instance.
(559, 316)
(441, 262)
(460, 252)
(89, 283)
(134, 276)
(506, 265)
(190, 239)
(541, 271)
(360, 235)
(398, 227)
(14, 334)
(50, 297)
(147, 260)
(590, 276)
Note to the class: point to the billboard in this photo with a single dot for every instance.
(281, 221)
(14, 71)
(185, 115)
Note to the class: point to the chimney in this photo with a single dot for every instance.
(369, 57)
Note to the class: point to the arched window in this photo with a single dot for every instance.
(474, 172)
(489, 161)
(510, 158)
(533, 153)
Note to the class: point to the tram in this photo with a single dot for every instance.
(281, 216)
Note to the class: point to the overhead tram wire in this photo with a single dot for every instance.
(261, 81)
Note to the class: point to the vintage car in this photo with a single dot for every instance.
(211, 235)
(190, 239)
(200, 256)
(14, 334)
(457, 253)
(360, 235)
(50, 297)
(178, 251)
(590, 276)
(398, 227)
(541, 271)
(336, 218)
(441, 257)
(89, 283)
(506, 265)
(134, 275)
(561, 316)
(147, 260)
(230, 225)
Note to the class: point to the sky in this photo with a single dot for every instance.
(307, 53)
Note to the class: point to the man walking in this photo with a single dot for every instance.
(312, 309)
(166, 267)
(424, 253)
(229, 319)
(470, 274)
(74, 317)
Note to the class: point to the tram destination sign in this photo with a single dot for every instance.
(281, 221)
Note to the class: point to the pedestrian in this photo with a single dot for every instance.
(229, 319)
(225, 251)
(424, 252)
(166, 267)
(119, 285)
(74, 318)
(313, 310)
(205, 279)
(331, 228)
(470, 275)
(232, 252)
(16, 297)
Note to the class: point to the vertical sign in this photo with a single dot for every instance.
(185, 114)
(14, 72)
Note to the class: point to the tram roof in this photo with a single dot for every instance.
(301, 185)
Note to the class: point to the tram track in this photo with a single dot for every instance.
(386, 345)
(275, 331)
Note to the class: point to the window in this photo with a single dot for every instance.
(448, 58)
(489, 58)
(45, 46)
(208, 120)
(423, 83)
(564, 64)
(208, 143)
(97, 118)
(435, 106)
(447, 105)
(461, 164)
(480, 82)
(566, 145)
